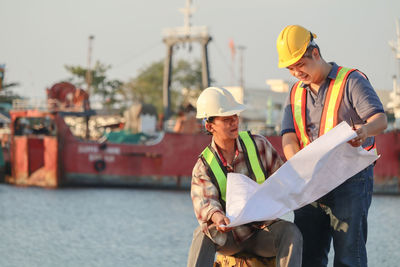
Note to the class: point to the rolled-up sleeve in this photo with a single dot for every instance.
(205, 196)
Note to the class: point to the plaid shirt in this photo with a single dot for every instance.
(205, 195)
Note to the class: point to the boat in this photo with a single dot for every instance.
(56, 157)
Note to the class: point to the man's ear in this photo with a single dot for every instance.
(209, 127)
(315, 53)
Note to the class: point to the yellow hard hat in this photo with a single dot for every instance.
(292, 43)
(217, 101)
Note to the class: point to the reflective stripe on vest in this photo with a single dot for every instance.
(329, 118)
(253, 156)
(372, 147)
(218, 172)
(298, 97)
(333, 99)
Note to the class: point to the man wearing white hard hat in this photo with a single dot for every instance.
(240, 152)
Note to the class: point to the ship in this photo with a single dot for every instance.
(55, 157)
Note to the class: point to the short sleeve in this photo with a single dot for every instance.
(363, 96)
(287, 125)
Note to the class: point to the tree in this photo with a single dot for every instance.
(187, 78)
(147, 86)
(108, 90)
(6, 94)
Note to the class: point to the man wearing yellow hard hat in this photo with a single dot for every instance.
(240, 152)
(325, 95)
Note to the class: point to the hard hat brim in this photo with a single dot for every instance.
(291, 62)
(238, 109)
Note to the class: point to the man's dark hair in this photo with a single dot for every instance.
(210, 119)
(309, 50)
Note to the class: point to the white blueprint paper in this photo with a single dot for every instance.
(308, 175)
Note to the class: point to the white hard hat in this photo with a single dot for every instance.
(217, 101)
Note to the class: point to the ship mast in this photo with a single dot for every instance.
(395, 94)
(185, 34)
(89, 63)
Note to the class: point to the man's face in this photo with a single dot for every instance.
(306, 69)
(224, 127)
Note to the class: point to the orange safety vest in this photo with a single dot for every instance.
(329, 118)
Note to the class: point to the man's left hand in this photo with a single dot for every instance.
(362, 135)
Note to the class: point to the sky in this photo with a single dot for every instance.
(38, 38)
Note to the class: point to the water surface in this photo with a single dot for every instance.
(130, 227)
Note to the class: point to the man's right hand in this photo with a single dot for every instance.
(220, 220)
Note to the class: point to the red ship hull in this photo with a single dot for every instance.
(63, 159)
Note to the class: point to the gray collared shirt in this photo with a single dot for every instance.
(360, 102)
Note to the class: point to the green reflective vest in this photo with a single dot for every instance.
(218, 171)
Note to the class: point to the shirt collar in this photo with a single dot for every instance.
(333, 73)
(237, 151)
